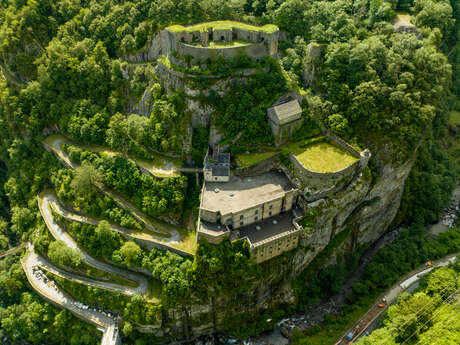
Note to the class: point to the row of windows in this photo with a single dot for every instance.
(288, 243)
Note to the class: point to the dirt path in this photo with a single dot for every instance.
(60, 234)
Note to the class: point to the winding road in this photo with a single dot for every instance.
(59, 234)
(54, 295)
(143, 238)
(170, 235)
(48, 266)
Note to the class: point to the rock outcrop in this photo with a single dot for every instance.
(363, 212)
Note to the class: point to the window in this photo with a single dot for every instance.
(271, 206)
(222, 38)
(215, 178)
(270, 213)
(241, 217)
(256, 212)
(241, 223)
(256, 218)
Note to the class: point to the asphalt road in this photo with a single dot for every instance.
(59, 234)
(371, 319)
(53, 294)
(48, 266)
(168, 232)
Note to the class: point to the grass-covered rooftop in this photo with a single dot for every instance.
(316, 154)
(223, 44)
(223, 25)
(321, 156)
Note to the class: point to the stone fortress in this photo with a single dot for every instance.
(220, 39)
(264, 205)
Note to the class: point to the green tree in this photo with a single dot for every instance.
(117, 133)
(85, 178)
(130, 253)
(63, 255)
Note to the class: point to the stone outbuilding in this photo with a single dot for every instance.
(284, 118)
(216, 166)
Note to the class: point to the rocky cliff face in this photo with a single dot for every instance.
(362, 212)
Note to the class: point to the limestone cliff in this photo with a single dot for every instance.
(362, 212)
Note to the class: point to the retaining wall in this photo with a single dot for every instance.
(320, 185)
(201, 54)
(259, 168)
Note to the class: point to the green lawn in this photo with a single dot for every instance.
(235, 43)
(316, 154)
(223, 25)
(321, 156)
(223, 44)
(249, 159)
(454, 118)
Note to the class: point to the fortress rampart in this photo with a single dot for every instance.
(255, 44)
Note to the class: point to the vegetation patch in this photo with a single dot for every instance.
(320, 156)
(223, 44)
(223, 25)
(249, 159)
(454, 118)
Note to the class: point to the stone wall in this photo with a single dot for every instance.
(319, 185)
(152, 51)
(201, 54)
(165, 42)
(259, 168)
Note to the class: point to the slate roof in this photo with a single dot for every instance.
(285, 112)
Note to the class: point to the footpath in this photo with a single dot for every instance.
(144, 239)
(13, 250)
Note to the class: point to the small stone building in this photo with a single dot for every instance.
(216, 167)
(284, 118)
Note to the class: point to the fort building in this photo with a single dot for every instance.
(216, 166)
(284, 117)
(259, 209)
(225, 39)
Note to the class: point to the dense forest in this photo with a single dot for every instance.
(62, 67)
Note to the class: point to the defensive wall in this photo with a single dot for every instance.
(259, 168)
(317, 185)
(196, 43)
